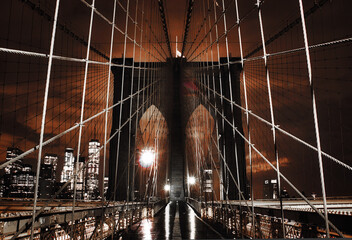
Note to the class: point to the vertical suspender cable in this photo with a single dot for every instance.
(121, 107)
(231, 99)
(82, 115)
(246, 105)
(137, 105)
(315, 115)
(108, 92)
(122, 91)
(131, 104)
(206, 76)
(47, 84)
(221, 177)
(259, 3)
(107, 115)
(204, 130)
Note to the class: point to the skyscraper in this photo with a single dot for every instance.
(19, 178)
(80, 178)
(48, 175)
(21, 182)
(14, 167)
(106, 185)
(67, 171)
(93, 169)
(2, 186)
(270, 189)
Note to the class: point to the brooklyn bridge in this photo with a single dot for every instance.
(187, 119)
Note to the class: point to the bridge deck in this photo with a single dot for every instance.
(176, 221)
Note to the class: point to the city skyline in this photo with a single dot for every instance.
(51, 175)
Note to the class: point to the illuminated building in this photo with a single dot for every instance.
(270, 189)
(48, 176)
(21, 183)
(208, 180)
(2, 186)
(80, 179)
(106, 184)
(67, 170)
(14, 167)
(19, 179)
(93, 169)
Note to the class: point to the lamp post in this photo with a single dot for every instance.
(167, 188)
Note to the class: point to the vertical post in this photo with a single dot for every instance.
(315, 115)
(46, 94)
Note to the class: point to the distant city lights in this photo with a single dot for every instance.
(147, 158)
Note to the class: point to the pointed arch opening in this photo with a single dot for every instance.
(202, 161)
(152, 136)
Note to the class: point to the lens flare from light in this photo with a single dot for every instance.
(167, 221)
(191, 180)
(192, 223)
(146, 229)
(167, 187)
(147, 158)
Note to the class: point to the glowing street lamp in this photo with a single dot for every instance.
(191, 180)
(147, 158)
(167, 187)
